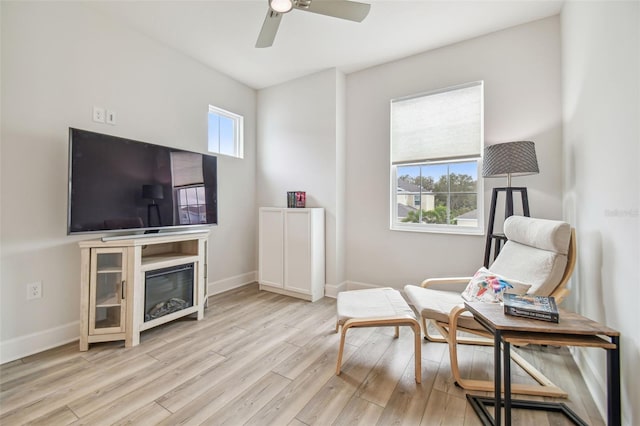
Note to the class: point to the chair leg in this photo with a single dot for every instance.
(342, 338)
(418, 351)
(424, 327)
(433, 337)
(397, 333)
(546, 387)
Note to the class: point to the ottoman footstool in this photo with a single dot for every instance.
(378, 307)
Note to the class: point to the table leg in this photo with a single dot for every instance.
(507, 383)
(613, 383)
(497, 337)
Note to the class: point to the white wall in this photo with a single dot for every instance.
(58, 60)
(601, 97)
(521, 72)
(301, 147)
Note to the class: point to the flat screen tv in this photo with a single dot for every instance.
(118, 184)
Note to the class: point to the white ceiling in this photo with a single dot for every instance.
(222, 34)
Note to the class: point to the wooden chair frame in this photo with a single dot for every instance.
(383, 322)
(448, 334)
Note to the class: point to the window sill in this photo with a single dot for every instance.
(451, 230)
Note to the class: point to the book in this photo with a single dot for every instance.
(535, 307)
(296, 199)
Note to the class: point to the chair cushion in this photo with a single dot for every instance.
(436, 305)
(544, 234)
(536, 253)
(382, 302)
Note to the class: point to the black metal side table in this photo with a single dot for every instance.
(572, 330)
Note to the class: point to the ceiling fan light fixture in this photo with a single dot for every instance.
(281, 6)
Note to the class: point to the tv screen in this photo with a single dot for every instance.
(122, 184)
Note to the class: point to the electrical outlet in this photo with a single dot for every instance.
(34, 290)
(98, 114)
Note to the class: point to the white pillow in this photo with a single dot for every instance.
(486, 286)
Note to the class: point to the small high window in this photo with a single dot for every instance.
(225, 132)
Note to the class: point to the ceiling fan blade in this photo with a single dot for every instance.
(344, 9)
(269, 29)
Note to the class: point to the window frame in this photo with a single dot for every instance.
(397, 225)
(394, 223)
(238, 132)
(179, 205)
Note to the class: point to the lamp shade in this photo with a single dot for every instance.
(510, 159)
(152, 192)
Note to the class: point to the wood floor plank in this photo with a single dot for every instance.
(260, 358)
(31, 391)
(325, 326)
(145, 393)
(306, 355)
(358, 412)
(150, 414)
(63, 395)
(245, 405)
(407, 403)
(383, 379)
(444, 409)
(283, 408)
(59, 416)
(32, 366)
(360, 364)
(32, 374)
(234, 381)
(329, 401)
(296, 422)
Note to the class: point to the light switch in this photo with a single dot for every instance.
(111, 117)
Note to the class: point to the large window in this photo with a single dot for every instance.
(436, 142)
(225, 132)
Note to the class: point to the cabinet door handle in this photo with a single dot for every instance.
(123, 286)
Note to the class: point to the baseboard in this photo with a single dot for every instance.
(593, 381)
(30, 344)
(217, 287)
(332, 290)
(355, 285)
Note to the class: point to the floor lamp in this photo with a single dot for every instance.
(153, 193)
(507, 160)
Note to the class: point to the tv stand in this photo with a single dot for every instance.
(113, 287)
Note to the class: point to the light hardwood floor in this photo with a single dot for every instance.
(259, 358)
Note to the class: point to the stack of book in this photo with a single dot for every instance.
(534, 307)
(296, 199)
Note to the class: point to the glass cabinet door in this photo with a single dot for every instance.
(107, 287)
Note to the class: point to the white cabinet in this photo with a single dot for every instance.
(291, 252)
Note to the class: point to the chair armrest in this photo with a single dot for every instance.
(451, 280)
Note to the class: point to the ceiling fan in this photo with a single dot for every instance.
(344, 9)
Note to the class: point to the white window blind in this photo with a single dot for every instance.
(186, 168)
(441, 125)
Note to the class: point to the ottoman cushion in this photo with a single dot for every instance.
(381, 303)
